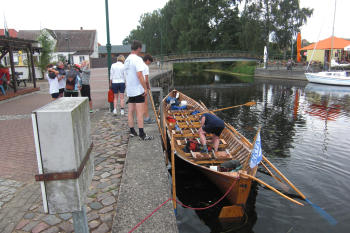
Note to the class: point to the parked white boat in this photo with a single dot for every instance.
(341, 78)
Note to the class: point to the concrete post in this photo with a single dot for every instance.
(80, 221)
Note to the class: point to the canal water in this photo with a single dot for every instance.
(305, 132)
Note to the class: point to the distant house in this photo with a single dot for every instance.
(12, 32)
(341, 50)
(117, 50)
(73, 45)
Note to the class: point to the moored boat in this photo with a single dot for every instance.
(183, 125)
(341, 78)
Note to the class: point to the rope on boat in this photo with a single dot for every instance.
(186, 206)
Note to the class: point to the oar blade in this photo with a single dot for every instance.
(250, 104)
(322, 212)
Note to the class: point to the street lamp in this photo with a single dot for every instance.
(67, 39)
(108, 45)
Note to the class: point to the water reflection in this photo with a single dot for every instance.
(304, 133)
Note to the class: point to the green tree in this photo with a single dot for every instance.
(281, 19)
(288, 17)
(46, 51)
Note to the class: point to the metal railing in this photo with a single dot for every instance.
(206, 54)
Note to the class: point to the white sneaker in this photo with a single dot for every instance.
(115, 111)
(122, 112)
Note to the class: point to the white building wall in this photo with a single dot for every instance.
(95, 52)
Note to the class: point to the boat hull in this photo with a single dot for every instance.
(239, 193)
(330, 78)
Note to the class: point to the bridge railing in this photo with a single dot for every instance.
(206, 54)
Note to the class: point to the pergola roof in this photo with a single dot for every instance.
(18, 44)
(338, 43)
(10, 44)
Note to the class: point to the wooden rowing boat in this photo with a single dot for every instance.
(233, 146)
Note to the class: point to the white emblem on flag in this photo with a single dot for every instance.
(256, 156)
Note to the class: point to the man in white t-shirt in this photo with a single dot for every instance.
(136, 89)
(147, 59)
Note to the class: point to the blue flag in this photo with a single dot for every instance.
(256, 155)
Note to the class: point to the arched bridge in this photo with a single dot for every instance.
(212, 56)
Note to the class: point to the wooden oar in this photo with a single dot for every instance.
(157, 119)
(278, 180)
(221, 109)
(318, 209)
(282, 185)
(272, 188)
(283, 177)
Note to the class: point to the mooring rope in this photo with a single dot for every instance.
(186, 206)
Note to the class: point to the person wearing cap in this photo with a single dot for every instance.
(117, 82)
(210, 123)
(147, 59)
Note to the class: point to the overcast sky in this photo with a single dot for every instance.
(124, 16)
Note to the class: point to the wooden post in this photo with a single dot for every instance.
(173, 171)
(29, 62)
(14, 81)
(32, 64)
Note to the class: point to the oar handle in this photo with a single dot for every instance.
(283, 177)
(272, 188)
(236, 106)
(268, 162)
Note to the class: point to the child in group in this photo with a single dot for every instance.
(73, 84)
(51, 76)
(61, 77)
(147, 59)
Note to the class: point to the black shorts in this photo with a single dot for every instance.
(55, 95)
(85, 91)
(61, 90)
(136, 99)
(215, 130)
(71, 94)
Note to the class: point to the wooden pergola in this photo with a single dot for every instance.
(11, 44)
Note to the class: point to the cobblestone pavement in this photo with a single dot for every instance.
(110, 145)
(8, 190)
(20, 196)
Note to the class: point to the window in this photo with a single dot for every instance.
(81, 59)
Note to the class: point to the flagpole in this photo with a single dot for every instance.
(248, 158)
(6, 30)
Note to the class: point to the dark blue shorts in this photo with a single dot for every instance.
(118, 87)
(215, 130)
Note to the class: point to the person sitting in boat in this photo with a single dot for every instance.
(210, 124)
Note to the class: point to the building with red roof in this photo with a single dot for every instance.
(323, 50)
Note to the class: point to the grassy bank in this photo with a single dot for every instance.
(228, 72)
(239, 68)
